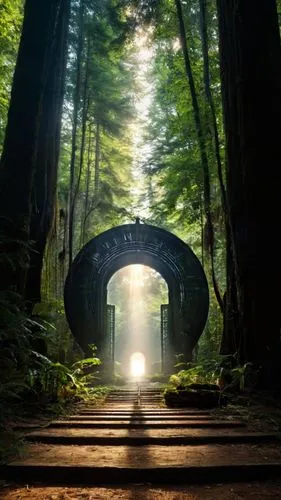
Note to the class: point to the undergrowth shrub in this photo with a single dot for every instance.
(30, 369)
(225, 371)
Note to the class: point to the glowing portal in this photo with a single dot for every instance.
(137, 364)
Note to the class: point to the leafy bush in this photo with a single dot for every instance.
(224, 371)
(20, 335)
(206, 373)
(28, 375)
(60, 381)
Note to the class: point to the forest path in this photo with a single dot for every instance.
(135, 439)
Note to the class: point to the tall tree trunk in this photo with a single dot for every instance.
(76, 104)
(87, 187)
(209, 97)
(202, 147)
(85, 108)
(18, 162)
(202, 231)
(96, 196)
(229, 342)
(251, 87)
(45, 181)
(97, 165)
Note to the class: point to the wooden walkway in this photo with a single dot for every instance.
(133, 438)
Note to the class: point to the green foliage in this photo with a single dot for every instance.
(236, 377)
(209, 342)
(224, 371)
(19, 334)
(198, 374)
(76, 381)
(10, 24)
(103, 100)
(61, 346)
(28, 375)
(173, 163)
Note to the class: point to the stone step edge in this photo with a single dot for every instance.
(86, 475)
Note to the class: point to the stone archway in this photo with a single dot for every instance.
(86, 284)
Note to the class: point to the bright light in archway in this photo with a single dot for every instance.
(137, 364)
(136, 278)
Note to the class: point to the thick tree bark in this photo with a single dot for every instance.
(45, 181)
(231, 338)
(202, 148)
(251, 86)
(18, 162)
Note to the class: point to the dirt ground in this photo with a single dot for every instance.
(238, 491)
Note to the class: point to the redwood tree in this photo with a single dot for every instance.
(21, 145)
(45, 180)
(251, 87)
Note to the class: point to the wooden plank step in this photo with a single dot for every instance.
(70, 465)
(164, 437)
(158, 411)
(124, 424)
(133, 417)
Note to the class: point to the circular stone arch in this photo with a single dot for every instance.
(85, 294)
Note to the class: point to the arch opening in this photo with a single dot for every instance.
(136, 294)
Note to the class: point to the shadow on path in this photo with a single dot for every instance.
(138, 417)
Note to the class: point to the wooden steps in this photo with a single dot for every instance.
(134, 439)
